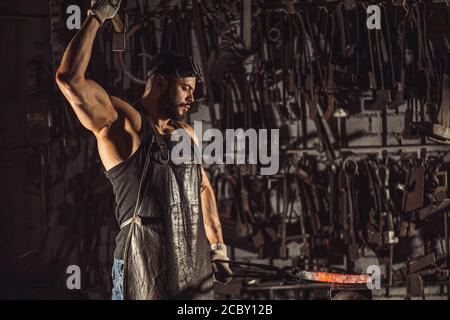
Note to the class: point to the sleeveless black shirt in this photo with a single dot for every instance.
(125, 178)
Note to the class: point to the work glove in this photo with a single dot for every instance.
(222, 271)
(103, 10)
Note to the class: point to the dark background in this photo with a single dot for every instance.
(57, 208)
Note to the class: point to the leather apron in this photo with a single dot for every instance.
(167, 253)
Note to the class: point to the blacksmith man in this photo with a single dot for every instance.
(167, 213)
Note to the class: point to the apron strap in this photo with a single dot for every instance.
(141, 221)
(126, 222)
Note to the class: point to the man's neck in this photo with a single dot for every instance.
(161, 122)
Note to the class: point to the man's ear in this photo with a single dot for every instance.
(162, 82)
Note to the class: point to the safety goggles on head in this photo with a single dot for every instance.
(176, 65)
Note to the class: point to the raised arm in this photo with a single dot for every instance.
(90, 101)
(114, 122)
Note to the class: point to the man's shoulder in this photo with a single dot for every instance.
(190, 130)
(124, 106)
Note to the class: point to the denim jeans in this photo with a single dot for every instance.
(117, 277)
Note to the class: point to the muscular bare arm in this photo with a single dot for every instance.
(211, 219)
(91, 103)
(113, 121)
(213, 228)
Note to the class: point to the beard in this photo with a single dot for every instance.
(169, 106)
